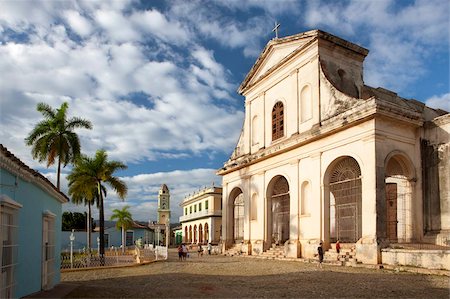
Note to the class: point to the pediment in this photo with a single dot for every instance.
(275, 55)
(276, 52)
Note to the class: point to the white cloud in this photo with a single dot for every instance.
(439, 102)
(143, 192)
(117, 26)
(232, 33)
(78, 23)
(155, 23)
(399, 40)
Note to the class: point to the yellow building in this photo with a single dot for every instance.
(202, 216)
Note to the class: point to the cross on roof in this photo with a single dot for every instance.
(275, 29)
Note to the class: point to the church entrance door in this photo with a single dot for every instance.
(345, 201)
(280, 210)
(391, 206)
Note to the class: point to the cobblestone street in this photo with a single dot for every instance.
(238, 277)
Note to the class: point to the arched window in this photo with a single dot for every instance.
(255, 130)
(305, 198)
(305, 104)
(254, 210)
(277, 121)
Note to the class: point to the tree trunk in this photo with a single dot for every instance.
(102, 225)
(123, 239)
(58, 173)
(89, 228)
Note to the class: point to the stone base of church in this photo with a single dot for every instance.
(309, 247)
(441, 238)
(292, 248)
(257, 247)
(246, 247)
(368, 251)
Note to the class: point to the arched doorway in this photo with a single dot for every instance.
(200, 234)
(344, 200)
(190, 233)
(398, 190)
(207, 232)
(195, 234)
(186, 236)
(278, 203)
(238, 218)
(235, 229)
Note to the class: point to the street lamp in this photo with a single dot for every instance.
(71, 238)
(98, 245)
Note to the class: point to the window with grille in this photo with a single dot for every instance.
(8, 246)
(277, 121)
(239, 217)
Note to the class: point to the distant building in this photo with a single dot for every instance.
(163, 204)
(178, 235)
(202, 216)
(113, 237)
(30, 226)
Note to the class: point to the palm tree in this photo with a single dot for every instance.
(124, 222)
(93, 173)
(54, 138)
(89, 196)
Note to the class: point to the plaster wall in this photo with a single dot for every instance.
(35, 203)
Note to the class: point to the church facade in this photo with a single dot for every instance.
(324, 157)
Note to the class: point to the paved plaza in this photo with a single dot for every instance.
(242, 277)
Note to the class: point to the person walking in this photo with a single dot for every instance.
(180, 252)
(338, 248)
(200, 250)
(209, 248)
(320, 254)
(184, 250)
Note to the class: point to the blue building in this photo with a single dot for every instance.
(113, 237)
(30, 229)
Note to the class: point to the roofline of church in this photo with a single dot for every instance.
(315, 34)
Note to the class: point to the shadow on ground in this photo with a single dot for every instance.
(245, 277)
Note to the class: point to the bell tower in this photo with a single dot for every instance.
(163, 204)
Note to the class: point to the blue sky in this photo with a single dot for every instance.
(158, 79)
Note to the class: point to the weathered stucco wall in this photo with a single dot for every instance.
(430, 259)
(435, 151)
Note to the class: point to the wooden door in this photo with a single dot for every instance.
(391, 208)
